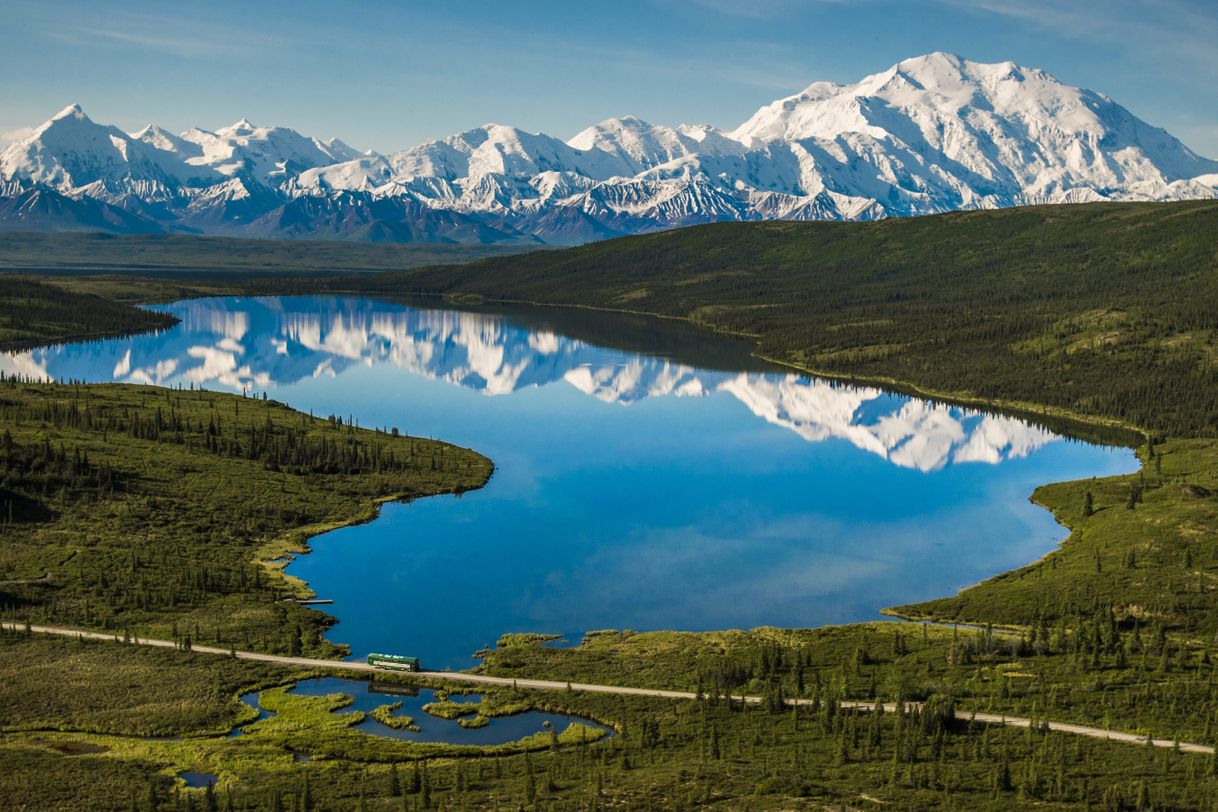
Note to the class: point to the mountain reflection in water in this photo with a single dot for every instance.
(258, 344)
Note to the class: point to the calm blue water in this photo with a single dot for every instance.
(676, 483)
(368, 697)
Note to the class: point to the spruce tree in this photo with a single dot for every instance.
(414, 779)
(395, 785)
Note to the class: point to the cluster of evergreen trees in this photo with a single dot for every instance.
(34, 312)
(34, 474)
(296, 449)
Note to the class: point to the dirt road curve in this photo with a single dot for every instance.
(549, 685)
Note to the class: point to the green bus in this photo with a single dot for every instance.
(393, 662)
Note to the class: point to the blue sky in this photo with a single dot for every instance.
(388, 75)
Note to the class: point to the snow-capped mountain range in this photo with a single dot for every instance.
(930, 134)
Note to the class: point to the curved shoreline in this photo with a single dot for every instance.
(297, 542)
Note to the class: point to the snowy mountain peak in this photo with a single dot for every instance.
(641, 146)
(585, 139)
(339, 147)
(242, 126)
(164, 140)
(71, 111)
(978, 134)
(938, 83)
(71, 119)
(936, 61)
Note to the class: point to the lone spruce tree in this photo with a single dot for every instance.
(395, 784)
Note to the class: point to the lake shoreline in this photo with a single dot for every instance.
(298, 541)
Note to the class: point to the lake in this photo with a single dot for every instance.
(648, 475)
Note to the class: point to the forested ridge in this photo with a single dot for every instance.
(36, 312)
(1103, 310)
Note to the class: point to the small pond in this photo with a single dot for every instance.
(198, 780)
(370, 695)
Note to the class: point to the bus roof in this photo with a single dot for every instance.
(395, 657)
